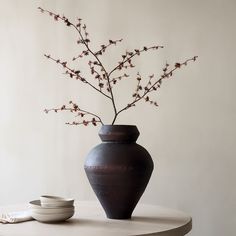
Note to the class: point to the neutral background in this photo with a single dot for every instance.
(191, 136)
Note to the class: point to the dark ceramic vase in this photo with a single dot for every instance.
(118, 170)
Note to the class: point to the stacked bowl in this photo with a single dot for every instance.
(52, 209)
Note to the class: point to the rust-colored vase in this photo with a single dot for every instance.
(118, 170)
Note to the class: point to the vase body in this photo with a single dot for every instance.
(118, 170)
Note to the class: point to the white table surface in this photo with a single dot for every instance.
(90, 220)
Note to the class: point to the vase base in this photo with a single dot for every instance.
(119, 217)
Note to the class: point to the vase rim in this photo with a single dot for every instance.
(120, 125)
(124, 133)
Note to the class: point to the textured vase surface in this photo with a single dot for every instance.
(118, 170)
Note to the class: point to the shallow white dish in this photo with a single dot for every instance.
(49, 218)
(36, 207)
(54, 201)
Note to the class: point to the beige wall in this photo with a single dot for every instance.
(191, 136)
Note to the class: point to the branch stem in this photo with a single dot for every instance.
(77, 76)
(101, 64)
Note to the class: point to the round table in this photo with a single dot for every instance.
(90, 220)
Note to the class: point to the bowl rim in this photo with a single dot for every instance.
(51, 198)
(38, 205)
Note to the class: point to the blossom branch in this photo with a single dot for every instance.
(85, 41)
(84, 122)
(114, 80)
(97, 75)
(126, 58)
(80, 113)
(103, 77)
(75, 74)
(104, 47)
(155, 86)
(82, 54)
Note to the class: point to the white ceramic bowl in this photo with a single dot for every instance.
(50, 218)
(54, 201)
(35, 206)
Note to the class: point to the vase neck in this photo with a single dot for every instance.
(119, 133)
